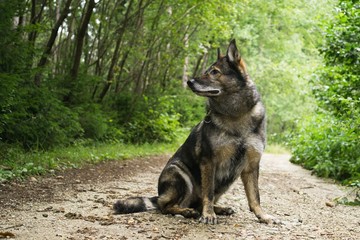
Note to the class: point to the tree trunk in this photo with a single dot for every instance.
(35, 18)
(44, 58)
(115, 57)
(185, 77)
(80, 40)
(122, 64)
(204, 63)
(197, 65)
(74, 71)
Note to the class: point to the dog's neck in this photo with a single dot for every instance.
(234, 105)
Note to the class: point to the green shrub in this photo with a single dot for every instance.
(329, 147)
(151, 119)
(41, 122)
(190, 107)
(93, 121)
(329, 143)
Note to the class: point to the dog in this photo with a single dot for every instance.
(226, 144)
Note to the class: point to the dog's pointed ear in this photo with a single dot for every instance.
(234, 57)
(232, 53)
(218, 54)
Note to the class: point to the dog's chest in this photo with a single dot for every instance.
(228, 157)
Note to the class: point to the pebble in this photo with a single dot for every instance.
(330, 204)
(33, 179)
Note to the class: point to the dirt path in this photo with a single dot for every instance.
(76, 204)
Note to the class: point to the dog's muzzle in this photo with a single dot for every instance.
(202, 90)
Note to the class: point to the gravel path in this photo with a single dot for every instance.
(76, 204)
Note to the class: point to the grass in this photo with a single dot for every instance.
(276, 149)
(18, 164)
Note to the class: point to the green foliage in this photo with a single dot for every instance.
(154, 120)
(93, 121)
(328, 147)
(13, 50)
(353, 197)
(16, 163)
(104, 100)
(329, 143)
(338, 86)
(40, 121)
(190, 108)
(8, 98)
(127, 87)
(277, 41)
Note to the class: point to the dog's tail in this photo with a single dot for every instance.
(135, 204)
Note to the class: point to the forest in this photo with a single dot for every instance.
(104, 72)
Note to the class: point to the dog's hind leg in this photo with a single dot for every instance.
(176, 193)
(169, 203)
(186, 212)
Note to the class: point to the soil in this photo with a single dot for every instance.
(76, 204)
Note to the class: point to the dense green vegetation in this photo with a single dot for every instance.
(95, 73)
(328, 142)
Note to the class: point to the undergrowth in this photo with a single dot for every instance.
(19, 164)
(329, 148)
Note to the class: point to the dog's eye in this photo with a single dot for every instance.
(214, 71)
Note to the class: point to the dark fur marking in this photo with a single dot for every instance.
(177, 183)
(257, 124)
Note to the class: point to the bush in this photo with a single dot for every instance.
(190, 107)
(41, 122)
(93, 121)
(329, 143)
(329, 147)
(151, 119)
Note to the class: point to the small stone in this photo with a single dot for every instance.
(33, 179)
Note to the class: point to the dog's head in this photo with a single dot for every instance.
(227, 75)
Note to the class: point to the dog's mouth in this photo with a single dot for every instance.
(207, 93)
(201, 90)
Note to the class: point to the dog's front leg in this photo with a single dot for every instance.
(207, 191)
(250, 177)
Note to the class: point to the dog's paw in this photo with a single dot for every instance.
(190, 213)
(225, 211)
(268, 219)
(209, 219)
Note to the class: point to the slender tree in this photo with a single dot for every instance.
(50, 43)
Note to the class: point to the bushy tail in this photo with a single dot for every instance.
(135, 204)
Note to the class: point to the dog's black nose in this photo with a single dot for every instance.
(191, 82)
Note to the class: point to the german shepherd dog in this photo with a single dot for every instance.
(226, 145)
